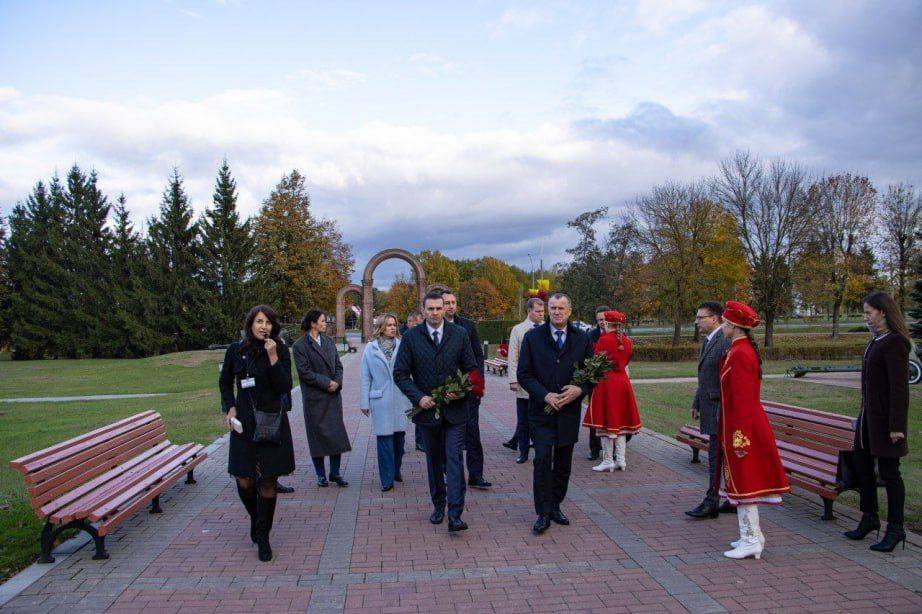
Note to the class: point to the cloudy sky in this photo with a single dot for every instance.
(477, 129)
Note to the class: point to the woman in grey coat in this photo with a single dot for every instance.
(384, 401)
(321, 374)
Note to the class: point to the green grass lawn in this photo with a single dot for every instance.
(666, 407)
(651, 369)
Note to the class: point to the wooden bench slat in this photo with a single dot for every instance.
(48, 489)
(119, 516)
(72, 495)
(815, 417)
(52, 465)
(116, 486)
(20, 463)
(177, 459)
(810, 426)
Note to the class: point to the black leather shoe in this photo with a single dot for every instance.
(512, 445)
(387, 488)
(322, 482)
(398, 478)
(542, 524)
(456, 524)
(480, 483)
(522, 458)
(726, 508)
(705, 510)
(893, 536)
(559, 517)
(339, 481)
(437, 517)
(593, 455)
(868, 523)
(284, 490)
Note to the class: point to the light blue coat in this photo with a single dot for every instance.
(379, 393)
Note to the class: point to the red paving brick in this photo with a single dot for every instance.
(393, 560)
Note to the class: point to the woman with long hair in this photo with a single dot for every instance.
(383, 401)
(255, 375)
(321, 374)
(612, 408)
(882, 422)
(753, 473)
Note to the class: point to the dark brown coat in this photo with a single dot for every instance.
(885, 395)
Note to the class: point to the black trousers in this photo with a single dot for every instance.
(595, 442)
(551, 476)
(889, 469)
(713, 494)
(445, 465)
(522, 432)
(472, 444)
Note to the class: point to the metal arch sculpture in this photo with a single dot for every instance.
(367, 290)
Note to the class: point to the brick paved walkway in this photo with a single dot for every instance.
(629, 547)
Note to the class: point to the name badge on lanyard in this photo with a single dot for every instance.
(248, 382)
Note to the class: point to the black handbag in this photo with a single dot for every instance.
(846, 475)
(268, 427)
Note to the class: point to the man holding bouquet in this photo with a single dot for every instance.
(550, 355)
(430, 355)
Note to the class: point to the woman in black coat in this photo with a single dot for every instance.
(882, 424)
(260, 365)
(321, 375)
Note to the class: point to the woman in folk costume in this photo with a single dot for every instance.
(753, 473)
(612, 408)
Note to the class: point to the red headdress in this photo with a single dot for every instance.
(740, 314)
(615, 316)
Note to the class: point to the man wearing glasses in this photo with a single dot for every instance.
(707, 400)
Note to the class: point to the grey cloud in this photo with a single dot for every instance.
(654, 126)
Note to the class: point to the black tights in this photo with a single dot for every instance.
(266, 487)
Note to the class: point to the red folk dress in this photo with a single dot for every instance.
(612, 407)
(752, 468)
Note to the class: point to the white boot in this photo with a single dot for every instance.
(621, 452)
(749, 543)
(607, 463)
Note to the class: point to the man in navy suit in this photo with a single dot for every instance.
(472, 443)
(429, 354)
(550, 354)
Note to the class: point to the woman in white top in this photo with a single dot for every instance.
(383, 400)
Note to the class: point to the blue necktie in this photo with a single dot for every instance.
(559, 334)
(535, 325)
(435, 337)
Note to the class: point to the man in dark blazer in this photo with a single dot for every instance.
(706, 403)
(472, 443)
(595, 443)
(549, 356)
(429, 354)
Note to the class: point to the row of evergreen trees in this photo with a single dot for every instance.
(78, 280)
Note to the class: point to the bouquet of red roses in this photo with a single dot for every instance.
(457, 385)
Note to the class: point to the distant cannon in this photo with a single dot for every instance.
(915, 370)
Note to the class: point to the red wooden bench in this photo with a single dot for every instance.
(808, 442)
(97, 480)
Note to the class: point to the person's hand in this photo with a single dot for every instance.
(514, 386)
(366, 411)
(554, 400)
(570, 393)
(895, 437)
(231, 413)
(427, 402)
(454, 396)
(272, 350)
(694, 414)
(333, 386)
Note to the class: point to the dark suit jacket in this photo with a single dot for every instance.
(543, 369)
(471, 327)
(885, 395)
(421, 366)
(707, 396)
(594, 335)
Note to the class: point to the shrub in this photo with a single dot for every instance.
(787, 347)
(495, 331)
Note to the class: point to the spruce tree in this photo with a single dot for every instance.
(916, 295)
(134, 303)
(227, 244)
(38, 274)
(88, 245)
(176, 250)
(5, 292)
